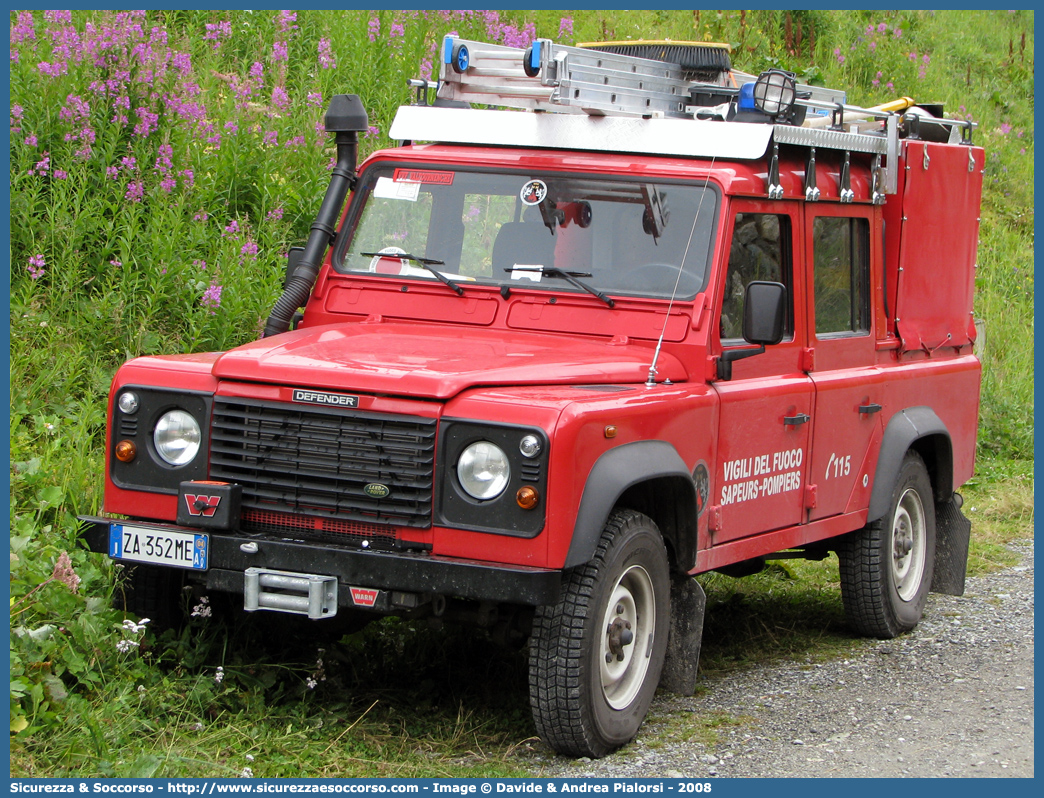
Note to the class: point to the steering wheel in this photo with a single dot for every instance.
(661, 277)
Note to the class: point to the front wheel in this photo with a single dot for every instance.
(596, 656)
(886, 568)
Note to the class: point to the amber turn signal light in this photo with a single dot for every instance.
(527, 497)
(126, 451)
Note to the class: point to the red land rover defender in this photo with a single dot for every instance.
(665, 319)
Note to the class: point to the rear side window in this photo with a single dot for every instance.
(759, 251)
(841, 264)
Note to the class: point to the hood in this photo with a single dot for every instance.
(436, 362)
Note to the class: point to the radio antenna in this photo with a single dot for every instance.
(651, 381)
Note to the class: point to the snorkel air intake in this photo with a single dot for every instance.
(345, 118)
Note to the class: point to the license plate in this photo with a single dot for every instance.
(159, 546)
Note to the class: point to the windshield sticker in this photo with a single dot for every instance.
(533, 192)
(423, 176)
(387, 188)
(523, 271)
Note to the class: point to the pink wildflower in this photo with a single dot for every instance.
(36, 266)
(63, 571)
(326, 56)
(212, 297)
(285, 20)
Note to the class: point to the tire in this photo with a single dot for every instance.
(583, 705)
(886, 567)
(152, 592)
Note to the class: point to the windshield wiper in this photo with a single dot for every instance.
(427, 263)
(569, 277)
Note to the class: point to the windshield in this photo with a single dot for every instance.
(621, 237)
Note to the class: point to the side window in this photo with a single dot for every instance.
(841, 264)
(760, 250)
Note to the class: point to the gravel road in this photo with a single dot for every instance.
(952, 698)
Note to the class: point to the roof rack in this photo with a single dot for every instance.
(581, 81)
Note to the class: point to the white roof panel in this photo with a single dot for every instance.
(680, 137)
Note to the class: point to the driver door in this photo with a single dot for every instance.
(764, 430)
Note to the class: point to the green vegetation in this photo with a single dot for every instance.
(162, 162)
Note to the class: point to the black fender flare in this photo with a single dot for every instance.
(624, 467)
(904, 429)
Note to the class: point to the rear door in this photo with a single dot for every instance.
(842, 255)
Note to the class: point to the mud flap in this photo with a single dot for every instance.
(688, 603)
(952, 534)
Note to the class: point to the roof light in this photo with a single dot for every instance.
(775, 92)
(745, 102)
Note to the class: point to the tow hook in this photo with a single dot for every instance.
(620, 635)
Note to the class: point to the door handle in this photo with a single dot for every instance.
(795, 421)
(869, 408)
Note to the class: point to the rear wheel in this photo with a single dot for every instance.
(596, 656)
(886, 568)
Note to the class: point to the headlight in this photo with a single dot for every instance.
(177, 437)
(483, 470)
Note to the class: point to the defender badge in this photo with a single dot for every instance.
(324, 398)
(376, 490)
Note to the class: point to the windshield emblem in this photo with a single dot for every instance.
(533, 192)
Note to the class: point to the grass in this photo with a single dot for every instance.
(124, 230)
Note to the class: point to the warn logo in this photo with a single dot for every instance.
(204, 506)
(364, 596)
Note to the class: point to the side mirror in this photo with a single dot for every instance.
(764, 312)
(764, 316)
(293, 257)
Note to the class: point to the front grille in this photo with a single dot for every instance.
(316, 462)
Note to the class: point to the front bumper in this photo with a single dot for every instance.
(232, 553)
